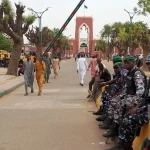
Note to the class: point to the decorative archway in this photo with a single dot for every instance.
(87, 23)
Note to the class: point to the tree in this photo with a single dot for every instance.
(14, 25)
(60, 44)
(145, 44)
(101, 46)
(144, 5)
(121, 33)
(33, 36)
(66, 45)
(5, 44)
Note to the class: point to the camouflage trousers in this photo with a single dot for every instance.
(130, 124)
(120, 106)
(113, 105)
(106, 97)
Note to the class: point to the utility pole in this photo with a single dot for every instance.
(39, 16)
(131, 15)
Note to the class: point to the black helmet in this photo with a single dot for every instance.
(148, 59)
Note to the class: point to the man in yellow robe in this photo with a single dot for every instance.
(40, 68)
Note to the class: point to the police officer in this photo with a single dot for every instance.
(133, 114)
(146, 142)
(105, 94)
(115, 97)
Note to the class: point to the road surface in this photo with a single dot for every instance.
(60, 119)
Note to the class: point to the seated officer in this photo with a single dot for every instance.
(130, 111)
(115, 95)
(105, 94)
(146, 142)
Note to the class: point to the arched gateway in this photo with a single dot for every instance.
(83, 42)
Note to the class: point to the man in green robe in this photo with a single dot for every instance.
(48, 64)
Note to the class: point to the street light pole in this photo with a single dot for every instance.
(39, 16)
(108, 36)
(131, 15)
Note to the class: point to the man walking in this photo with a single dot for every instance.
(48, 64)
(28, 74)
(40, 68)
(82, 66)
(56, 66)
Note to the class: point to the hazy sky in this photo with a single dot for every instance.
(102, 11)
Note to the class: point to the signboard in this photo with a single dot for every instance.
(83, 45)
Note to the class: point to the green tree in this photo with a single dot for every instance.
(66, 45)
(110, 33)
(144, 5)
(101, 46)
(60, 44)
(120, 34)
(33, 36)
(15, 25)
(5, 44)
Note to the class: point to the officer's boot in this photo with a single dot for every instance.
(101, 118)
(113, 132)
(99, 112)
(106, 124)
(120, 146)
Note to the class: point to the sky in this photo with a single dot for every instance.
(102, 11)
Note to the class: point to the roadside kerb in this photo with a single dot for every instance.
(11, 85)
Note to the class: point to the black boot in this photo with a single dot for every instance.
(99, 112)
(106, 124)
(101, 118)
(112, 132)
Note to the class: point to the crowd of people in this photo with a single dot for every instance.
(41, 69)
(124, 101)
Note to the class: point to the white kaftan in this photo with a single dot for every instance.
(82, 66)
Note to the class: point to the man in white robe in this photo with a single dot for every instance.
(28, 74)
(82, 67)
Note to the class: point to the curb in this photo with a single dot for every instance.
(3, 93)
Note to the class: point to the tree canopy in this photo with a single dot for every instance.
(5, 43)
(121, 35)
(47, 36)
(14, 24)
(144, 5)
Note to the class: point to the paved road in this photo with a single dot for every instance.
(61, 119)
